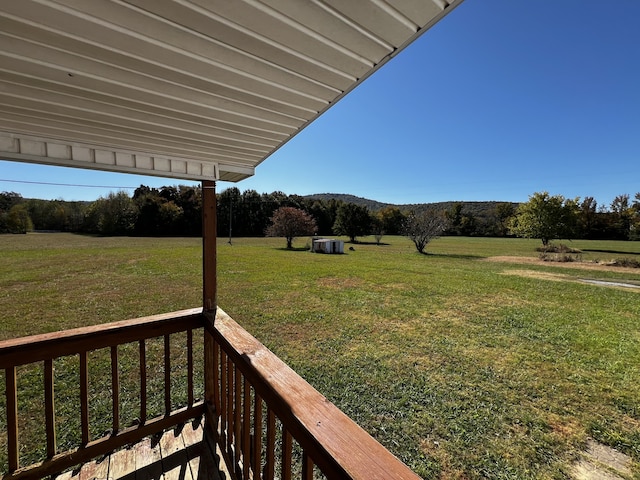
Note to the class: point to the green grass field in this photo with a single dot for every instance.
(462, 364)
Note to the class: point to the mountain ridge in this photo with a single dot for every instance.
(477, 208)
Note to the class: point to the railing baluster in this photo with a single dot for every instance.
(287, 447)
(246, 430)
(230, 390)
(84, 397)
(216, 377)
(12, 418)
(167, 375)
(329, 441)
(269, 468)
(307, 467)
(190, 368)
(257, 436)
(49, 409)
(115, 389)
(224, 385)
(237, 420)
(143, 382)
(45, 350)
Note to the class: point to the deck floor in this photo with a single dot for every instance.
(184, 453)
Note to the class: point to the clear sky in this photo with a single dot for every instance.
(501, 99)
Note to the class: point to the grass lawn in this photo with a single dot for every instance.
(464, 365)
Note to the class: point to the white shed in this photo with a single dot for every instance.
(325, 245)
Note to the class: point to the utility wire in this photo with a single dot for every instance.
(66, 184)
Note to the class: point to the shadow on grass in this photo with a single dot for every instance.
(453, 255)
(293, 249)
(366, 243)
(619, 252)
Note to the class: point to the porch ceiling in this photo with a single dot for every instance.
(189, 89)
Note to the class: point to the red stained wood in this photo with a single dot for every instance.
(143, 381)
(167, 374)
(230, 404)
(216, 375)
(210, 384)
(37, 348)
(84, 397)
(339, 447)
(12, 418)
(307, 467)
(224, 383)
(287, 448)
(246, 430)
(237, 422)
(105, 445)
(80, 342)
(209, 253)
(115, 389)
(49, 408)
(257, 438)
(270, 465)
(189, 367)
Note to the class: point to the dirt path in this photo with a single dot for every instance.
(600, 462)
(603, 266)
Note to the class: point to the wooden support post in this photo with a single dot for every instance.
(209, 247)
(209, 283)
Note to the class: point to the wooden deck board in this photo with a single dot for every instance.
(122, 463)
(148, 459)
(181, 453)
(175, 461)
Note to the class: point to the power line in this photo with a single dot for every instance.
(66, 184)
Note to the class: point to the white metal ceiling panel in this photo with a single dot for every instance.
(187, 89)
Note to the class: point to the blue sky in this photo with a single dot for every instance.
(501, 99)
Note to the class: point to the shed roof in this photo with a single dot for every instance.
(188, 89)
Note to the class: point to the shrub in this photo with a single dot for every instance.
(560, 257)
(626, 262)
(562, 248)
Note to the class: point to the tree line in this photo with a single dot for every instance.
(176, 211)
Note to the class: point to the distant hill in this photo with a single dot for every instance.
(477, 209)
(372, 205)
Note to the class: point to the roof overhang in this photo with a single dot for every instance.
(186, 89)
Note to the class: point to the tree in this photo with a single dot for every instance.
(48, 214)
(352, 220)
(423, 227)
(545, 217)
(291, 222)
(392, 220)
(587, 216)
(190, 201)
(113, 215)
(460, 223)
(18, 220)
(622, 216)
(8, 200)
(377, 227)
(634, 233)
(228, 203)
(503, 212)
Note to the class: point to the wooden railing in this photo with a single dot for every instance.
(269, 422)
(273, 424)
(80, 343)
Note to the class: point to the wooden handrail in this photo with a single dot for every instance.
(37, 348)
(327, 436)
(265, 416)
(80, 342)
